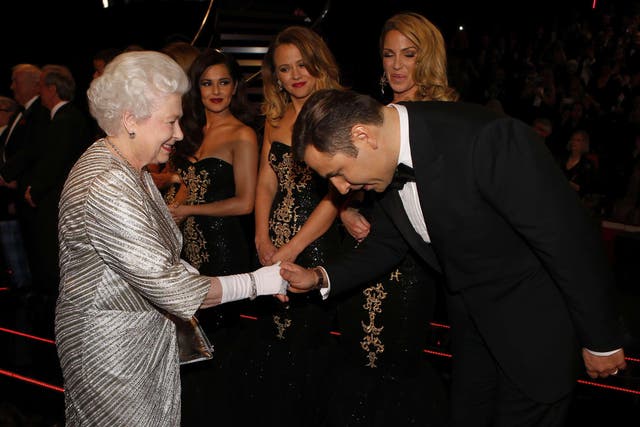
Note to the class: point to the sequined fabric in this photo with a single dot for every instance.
(381, 375)
(299, 192)
(292, 353)
(120, 273)
(216, 245)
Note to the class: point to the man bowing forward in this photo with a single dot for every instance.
(528, 283)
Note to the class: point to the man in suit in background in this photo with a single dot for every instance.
(67, 136)
(14, 266)
(8, 108)
(528, 284)
(19, 139)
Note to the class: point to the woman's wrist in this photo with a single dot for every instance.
(262, 238)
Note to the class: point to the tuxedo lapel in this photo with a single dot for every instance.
(428, 165)
(429, 182)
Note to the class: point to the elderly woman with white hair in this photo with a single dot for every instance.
(123, 285)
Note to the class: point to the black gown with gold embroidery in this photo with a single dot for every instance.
(295, 342)
(381, 376)
(216, 246)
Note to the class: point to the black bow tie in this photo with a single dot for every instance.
(402, 175)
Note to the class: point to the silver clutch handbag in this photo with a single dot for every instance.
(193, 344)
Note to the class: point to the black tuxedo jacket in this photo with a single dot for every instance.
(511, 238)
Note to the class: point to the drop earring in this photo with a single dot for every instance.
(383, 82)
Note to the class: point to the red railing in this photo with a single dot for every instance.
(429, 351)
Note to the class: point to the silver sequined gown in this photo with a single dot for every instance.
(120, 273)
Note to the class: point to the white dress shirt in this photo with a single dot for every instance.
(409, 193)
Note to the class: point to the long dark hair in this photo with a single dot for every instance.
(194, 118)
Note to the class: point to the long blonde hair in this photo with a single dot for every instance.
(430, 73)
(317, 58)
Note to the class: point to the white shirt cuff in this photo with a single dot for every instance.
(603, 353)
(325, 291)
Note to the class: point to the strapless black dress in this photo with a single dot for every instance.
(216, 246)
(294, 342)
(381, 376)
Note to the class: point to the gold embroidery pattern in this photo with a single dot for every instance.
(172, 191)
(194, 242)
(292, 177)
(170, 195)
(282, 324)
(197, 183)
(371, 343)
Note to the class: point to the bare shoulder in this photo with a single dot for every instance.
(282, 130)
(246, 133)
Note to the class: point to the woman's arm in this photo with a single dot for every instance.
(234, 287)
(354, 222)
(316, 225)
(245, 167)
(163, 176)
(266, 188)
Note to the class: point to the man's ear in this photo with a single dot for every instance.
(361, 134)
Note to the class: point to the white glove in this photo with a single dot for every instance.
(263, 281)
(269, 281)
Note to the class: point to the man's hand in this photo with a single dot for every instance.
(300, 279)
(603, 366)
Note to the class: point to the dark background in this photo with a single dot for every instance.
(69, 32)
